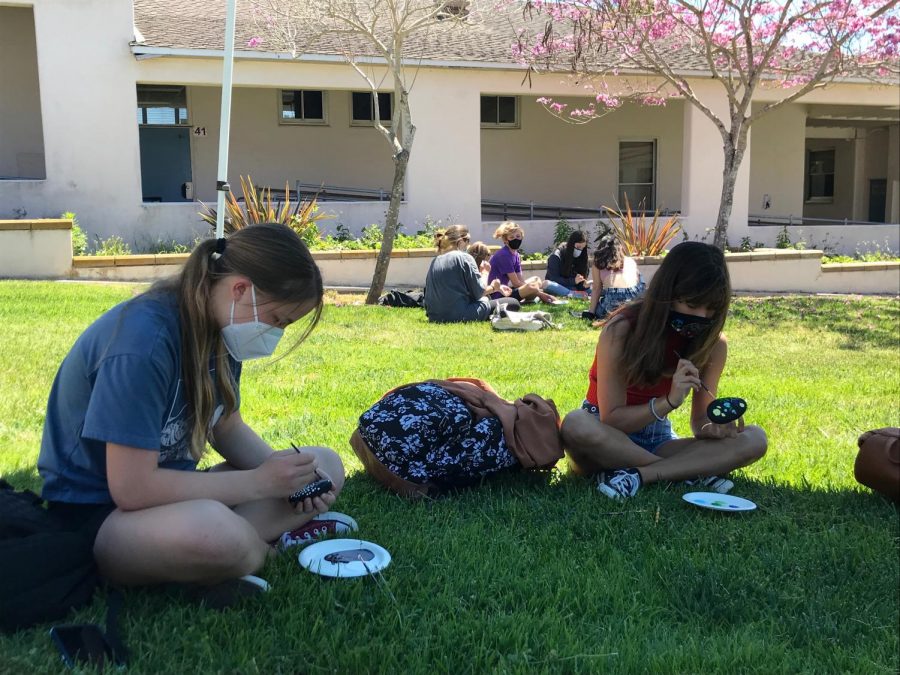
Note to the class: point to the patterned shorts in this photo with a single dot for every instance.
(650, 437)
(423, 434)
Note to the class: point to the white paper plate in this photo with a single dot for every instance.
(717, 502)
(363, 557)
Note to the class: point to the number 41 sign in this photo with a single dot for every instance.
(199, 131)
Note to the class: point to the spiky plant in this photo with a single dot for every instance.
(638, 236)
(260, 207)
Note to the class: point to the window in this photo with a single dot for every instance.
(302, 107)
(637, 174)
(499, 111)
(364, 110)
(820, 175)
(161, 105)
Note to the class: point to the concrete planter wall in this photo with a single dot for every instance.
(41, 249)
(339, 268)
(789, 271)
(35, 249)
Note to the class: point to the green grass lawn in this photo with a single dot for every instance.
(534, 573)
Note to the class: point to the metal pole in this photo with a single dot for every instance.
(222, 186)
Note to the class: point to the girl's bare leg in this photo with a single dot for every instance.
(200, 540)
(691, 457)
(593, 446)
(195, 541)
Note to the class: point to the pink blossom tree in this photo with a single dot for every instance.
(636, 50)
(373, 37)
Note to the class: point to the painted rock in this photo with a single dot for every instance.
(725, 410)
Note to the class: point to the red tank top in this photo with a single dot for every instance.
(635, 395)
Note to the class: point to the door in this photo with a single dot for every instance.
(165, 162)
(877, 199)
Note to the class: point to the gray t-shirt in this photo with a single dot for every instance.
(453, 290)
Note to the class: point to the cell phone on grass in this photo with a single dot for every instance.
(80, 644)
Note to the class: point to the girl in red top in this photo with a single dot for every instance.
(638, 378)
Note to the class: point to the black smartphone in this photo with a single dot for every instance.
(314, 489)
(80, 644)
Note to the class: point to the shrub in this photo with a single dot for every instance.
(562, 230)
(115, 245)
(170, 246)
(79, 238)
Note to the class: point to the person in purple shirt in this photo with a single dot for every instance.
(506, 265)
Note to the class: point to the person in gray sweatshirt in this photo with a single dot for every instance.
(455, 288)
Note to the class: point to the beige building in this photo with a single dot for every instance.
(111, 110)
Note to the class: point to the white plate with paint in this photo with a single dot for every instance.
(344, 558)
(717, 502)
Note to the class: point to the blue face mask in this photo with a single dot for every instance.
(252, 339)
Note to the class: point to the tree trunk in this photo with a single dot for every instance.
(734, 154)
(401, 159)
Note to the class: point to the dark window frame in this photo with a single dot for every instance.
(148, 92)
(495, 123)
(303, 120)
(653, 183)
(370, 121)
(812, 177)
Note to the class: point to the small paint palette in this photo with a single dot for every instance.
(725, 410)
(717, 502)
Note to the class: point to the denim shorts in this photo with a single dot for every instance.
(650, 437)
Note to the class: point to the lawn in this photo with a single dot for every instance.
(534, 573)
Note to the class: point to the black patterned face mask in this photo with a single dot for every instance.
(688, 325)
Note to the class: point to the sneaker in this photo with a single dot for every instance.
(620, 484)
(323, 525)
(721, 485)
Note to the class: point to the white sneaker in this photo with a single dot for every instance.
(721, 485)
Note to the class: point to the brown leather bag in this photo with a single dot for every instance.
(878, 462)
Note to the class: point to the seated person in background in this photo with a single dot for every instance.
(567, 268)
(616, 279)
(482, 255)
(454, 288)
(506, 265)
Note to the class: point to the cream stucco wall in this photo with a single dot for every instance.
(272, 153)
(548, 161)
(777, 162)
(21, 133)
(88, 112)
(91, 149)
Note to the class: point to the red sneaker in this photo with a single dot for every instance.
(323, 525)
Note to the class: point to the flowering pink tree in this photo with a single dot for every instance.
(373, 37)
(647, 46)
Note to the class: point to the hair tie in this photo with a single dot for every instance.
(221, 242)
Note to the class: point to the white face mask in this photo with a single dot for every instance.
(576, 252)
(250, 340)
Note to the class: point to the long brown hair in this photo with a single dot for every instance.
(278, 263)
(694, 273)
(610, 254)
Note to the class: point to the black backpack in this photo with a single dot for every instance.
(397, 298)
(44, 570)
